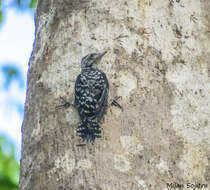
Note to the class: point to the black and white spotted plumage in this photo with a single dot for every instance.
(91, 94)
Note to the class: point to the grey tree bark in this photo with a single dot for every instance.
(158, 61)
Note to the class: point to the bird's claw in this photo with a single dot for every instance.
(64, 105)
(115, 103)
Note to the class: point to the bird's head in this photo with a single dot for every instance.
(90, 59)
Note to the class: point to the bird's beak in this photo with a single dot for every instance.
(100, 55)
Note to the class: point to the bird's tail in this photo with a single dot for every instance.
(89, 131)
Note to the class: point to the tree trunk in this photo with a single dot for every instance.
(158, 61)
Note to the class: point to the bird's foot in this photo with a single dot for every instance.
(64, 104)
(115, 103)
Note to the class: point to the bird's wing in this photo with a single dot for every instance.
(102, 100)
(91, 100)
(77, 90)
(84, 99)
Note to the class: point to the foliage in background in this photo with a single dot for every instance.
(32, 4)
(1, 11)
(25, 3)
(12, 73)
(20, 4)
(9, 167)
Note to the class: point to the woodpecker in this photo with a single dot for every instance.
(91, 95)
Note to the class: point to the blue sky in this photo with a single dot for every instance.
(16, 40)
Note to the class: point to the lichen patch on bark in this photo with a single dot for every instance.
(65, 163)
(162, 166)
(141, 183)
(121, 163)
(72, 117)
(84, 164)
(128, 82)
(193, 162)
(191, 113)
(131, 145)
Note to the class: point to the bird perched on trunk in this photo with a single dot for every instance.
(91, 95)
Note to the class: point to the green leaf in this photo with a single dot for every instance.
(1, 16)
(18, 3)
(11, 73)
(9, 167)
(32, 4)
(0, 3)
(6, 183)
